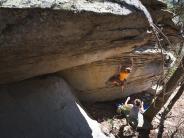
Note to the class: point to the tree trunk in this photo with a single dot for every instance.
(170, 87)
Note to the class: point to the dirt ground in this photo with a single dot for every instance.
(170, 126)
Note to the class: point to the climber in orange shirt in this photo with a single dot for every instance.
(120, 78)
(124, 74)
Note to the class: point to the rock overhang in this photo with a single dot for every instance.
(105, 7)
(50, 36)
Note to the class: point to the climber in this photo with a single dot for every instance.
(120, 78)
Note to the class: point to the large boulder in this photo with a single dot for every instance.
(44, 108)
(85, 41)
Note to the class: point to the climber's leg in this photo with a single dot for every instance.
(114, 81)
(122, 85)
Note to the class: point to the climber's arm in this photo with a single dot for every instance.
(119, 69)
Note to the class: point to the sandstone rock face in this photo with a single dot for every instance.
(84, 41)
(37, 41)
(44, 108)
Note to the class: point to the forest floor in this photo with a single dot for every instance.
(111, 122)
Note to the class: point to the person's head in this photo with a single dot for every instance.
(128, 69)
(138, 103)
